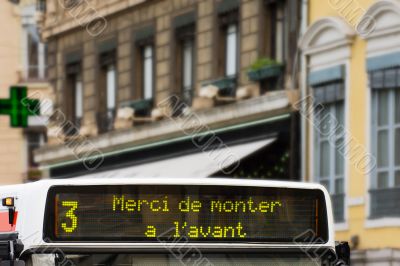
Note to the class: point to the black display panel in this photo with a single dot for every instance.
(160, 213)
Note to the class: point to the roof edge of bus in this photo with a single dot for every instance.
(178, 180)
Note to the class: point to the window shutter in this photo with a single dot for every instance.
(385, 79)
(327, 85)
(144, 36)
(107, 52)
(73, 62)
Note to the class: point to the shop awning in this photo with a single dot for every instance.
(202, 164)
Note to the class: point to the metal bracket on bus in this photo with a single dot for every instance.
(343, 253)
(11, 215)
(10, 249)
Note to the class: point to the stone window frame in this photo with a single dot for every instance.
(107, 54)
(184, 30)
(269, 38)
(226, 17)
(73, 66)
(142, 37)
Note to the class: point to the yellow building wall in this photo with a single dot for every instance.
(370, 238)
(11, 140)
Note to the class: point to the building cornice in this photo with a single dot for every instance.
(59, 26)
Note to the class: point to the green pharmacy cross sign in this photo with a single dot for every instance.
(19, 107)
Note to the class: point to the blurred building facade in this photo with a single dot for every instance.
(179, 88)
(23, 63)
(351, 112)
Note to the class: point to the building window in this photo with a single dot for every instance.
(33, 57)
(35, 139)
(78, 90)
(385, 142)
(148, 72)
(187, 70)
(329, 142)
(108, 91)
(74, 97)
(35, 60)
(75, 87)
(229, 53)
(231, 50)
(275, 38)
(41, 5)
(184, 73)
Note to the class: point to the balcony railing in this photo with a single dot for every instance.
(385, 203)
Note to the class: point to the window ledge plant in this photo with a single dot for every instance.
(264, 68)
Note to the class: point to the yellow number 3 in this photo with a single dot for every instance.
(71, 215)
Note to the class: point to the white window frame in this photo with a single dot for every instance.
(188, 67)
(332, 176)
(318, 140)
(187, 64)
(41, 65)
(111, 86)
(391, 128)
(231, 60)
(148, 72)
(78, 87)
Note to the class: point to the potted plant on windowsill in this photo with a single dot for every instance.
(264, 68)
(226, 85)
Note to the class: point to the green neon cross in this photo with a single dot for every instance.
(19, 107)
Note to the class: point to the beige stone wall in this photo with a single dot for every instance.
(160, 15)
(205, 44)
(11, 140)
(250, 34)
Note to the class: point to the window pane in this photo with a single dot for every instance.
(397, 147)
(383, 148)
(397, 106)
(383, 180)
(33, 57)
(397, 179)
(111, 87)
(148, 72)
(325, 152)
(326, 120)
(231, 50)
(187, 64)
(340, 117)
(78, 97)
(383, 106)
(339, 186)
(339, 159)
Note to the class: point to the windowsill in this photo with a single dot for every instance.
(226, 85)
(34, 80)
(341, 226)
(382, 222)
